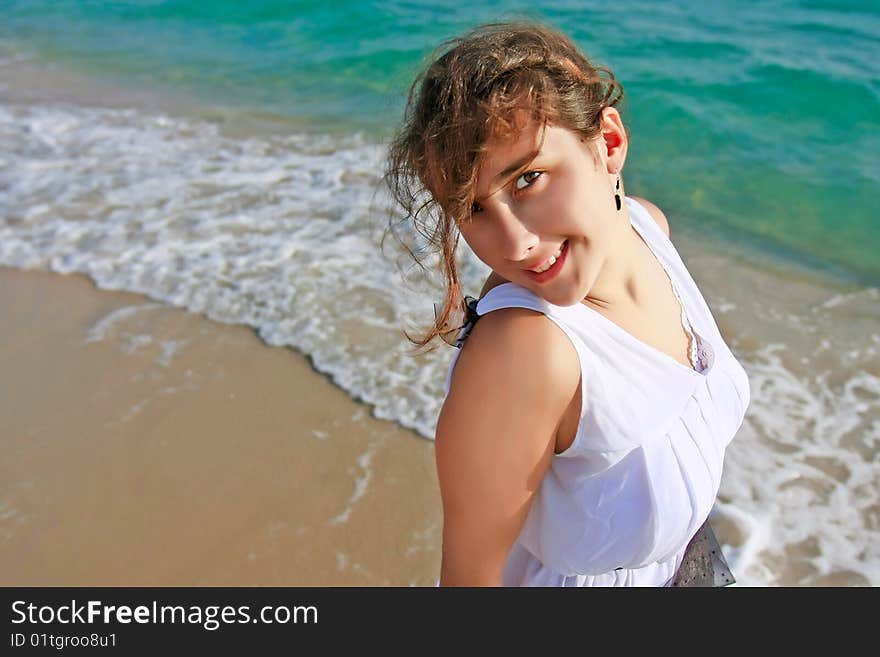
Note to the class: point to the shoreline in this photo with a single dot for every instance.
(149, 446)
(31, 80)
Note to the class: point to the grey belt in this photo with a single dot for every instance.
(703, 563)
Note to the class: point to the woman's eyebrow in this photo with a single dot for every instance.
(515, 166)
(509, 170)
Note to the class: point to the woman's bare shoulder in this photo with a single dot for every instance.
(518, 347)
(655, 212)
(514, 378)
(513, 381)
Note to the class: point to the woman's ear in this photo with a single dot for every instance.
(614, 138)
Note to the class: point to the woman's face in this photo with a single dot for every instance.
(558, 203)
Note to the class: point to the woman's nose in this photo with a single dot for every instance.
(516, 238)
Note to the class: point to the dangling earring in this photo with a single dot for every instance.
(617, 195)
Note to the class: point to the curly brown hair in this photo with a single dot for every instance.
(469, 93)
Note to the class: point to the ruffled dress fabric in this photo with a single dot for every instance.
(630, 498)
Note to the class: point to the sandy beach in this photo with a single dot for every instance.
(148, 446)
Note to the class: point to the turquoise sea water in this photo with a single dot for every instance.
(758, 122)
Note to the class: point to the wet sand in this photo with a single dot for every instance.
(148, 446)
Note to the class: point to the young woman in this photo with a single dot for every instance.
(592, 397)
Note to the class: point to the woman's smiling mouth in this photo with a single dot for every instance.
(550, 267)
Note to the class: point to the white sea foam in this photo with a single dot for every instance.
(170, 349)
(264, 232)
(801, 481)
(281, 234)
(803, 466)
(109, 323)
(360, 486)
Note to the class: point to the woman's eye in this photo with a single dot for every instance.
(527, 179)
(475, 208)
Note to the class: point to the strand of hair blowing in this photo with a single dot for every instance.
(472, 91)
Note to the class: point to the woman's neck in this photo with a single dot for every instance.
(626, 280)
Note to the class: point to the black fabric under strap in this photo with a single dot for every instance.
(471, 318)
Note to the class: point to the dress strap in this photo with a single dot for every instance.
(700, 352)
(506, 295)
(511, 295)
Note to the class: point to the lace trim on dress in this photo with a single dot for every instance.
(699, 351)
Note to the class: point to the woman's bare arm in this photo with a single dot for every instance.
(495, 437)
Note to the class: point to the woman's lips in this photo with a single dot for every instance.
(551, 273)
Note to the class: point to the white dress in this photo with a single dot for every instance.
(619, 506)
